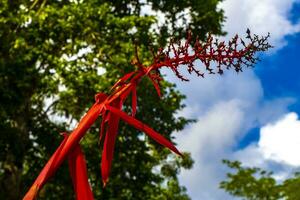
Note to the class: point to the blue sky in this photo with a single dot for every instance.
(279, 73)
(252, 116)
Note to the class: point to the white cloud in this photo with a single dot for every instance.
(261, 16)
(277, 148)
(205, 92)
(281, 141)
(209, 130)
(226, 107)
(208, 140)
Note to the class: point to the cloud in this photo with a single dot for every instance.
(215, 136)
(281, 141)
(208, 140)
(261, 16)
(226, 108)
(205, 92)
(277, 148)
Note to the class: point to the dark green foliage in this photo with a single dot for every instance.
(257, 184)
(42, 92)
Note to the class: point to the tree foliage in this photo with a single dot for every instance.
(257, 184)
(52, 54)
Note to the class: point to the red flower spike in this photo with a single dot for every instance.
(109, 143)
(78, 172)
(46, 173)
(225, 56)
(143, 127)
(133, 101)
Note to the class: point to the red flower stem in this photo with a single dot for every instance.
(95, 111)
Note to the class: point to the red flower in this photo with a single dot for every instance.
(110, 107)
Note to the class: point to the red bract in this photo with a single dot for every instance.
(109, 142)
(110, 106)
(78, 171)
(143, 127)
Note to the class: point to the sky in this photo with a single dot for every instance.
(251, 116)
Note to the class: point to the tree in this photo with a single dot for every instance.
(47, 80)
(255, 183)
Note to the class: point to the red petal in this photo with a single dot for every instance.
(46, 173)
(133, 101)
(109, 143)
(78, 171)
(143, 127)
(121, 80)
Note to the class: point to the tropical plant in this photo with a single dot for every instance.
(109, 107)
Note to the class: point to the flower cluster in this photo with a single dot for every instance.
(233, 55)
(109, 107)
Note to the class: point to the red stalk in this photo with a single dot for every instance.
(45, 174)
